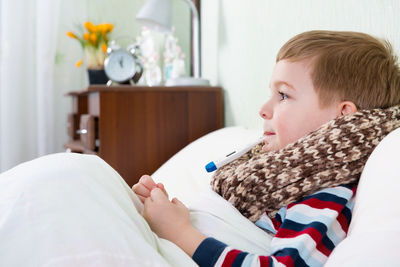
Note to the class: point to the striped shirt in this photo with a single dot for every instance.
(305, 233)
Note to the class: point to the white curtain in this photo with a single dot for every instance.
(28, 35)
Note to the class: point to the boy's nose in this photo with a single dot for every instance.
(264, 112)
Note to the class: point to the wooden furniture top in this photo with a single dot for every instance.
(130, 88)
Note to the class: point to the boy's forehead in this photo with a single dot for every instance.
(290, 73)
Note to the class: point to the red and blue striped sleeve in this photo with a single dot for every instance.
(306, 232)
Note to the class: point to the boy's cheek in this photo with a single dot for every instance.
(291, 129)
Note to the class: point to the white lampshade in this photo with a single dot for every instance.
(156, 14)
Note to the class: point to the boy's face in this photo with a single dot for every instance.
(293, 109)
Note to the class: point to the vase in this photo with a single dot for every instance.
(97, 76)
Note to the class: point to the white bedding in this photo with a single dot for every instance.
(184, 175)
(74, 210)
(374, 235)
(214, 216)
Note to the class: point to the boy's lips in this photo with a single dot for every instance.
(269, 133)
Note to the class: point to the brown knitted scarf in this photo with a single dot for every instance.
(332, 155)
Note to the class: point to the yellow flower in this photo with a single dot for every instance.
(104, 47)
(72, 35)
(93, 41)
(100, 28)
(79, 63)
(85, 36)
(108, 27)
(90, 26)
(93, 38)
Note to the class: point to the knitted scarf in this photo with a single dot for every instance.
(332, 155)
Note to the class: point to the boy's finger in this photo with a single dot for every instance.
(139, 189)
(158, 195)
(142, 199)
(135, 187)
(147, 181)
(176, 201)
(147, 202)
(162, 187)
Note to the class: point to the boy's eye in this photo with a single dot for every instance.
(283, 96)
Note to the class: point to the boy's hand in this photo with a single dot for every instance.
(143, 188)
(165, 217)
(171, 220)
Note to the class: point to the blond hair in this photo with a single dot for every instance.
(349, 66)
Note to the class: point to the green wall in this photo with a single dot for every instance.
(240, 40)
(122, 14)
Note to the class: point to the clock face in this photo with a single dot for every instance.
(120, 66)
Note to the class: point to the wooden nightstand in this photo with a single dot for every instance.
(136, 129)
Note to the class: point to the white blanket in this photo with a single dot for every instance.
(214, 216)
(75, 210)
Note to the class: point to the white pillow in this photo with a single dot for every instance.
(374, 233)
(184, 175)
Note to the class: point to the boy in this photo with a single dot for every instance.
(325, 88)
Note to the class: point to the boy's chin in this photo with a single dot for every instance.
(268, 147)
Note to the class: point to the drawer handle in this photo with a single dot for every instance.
(81, 131)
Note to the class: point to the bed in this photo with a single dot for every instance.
(374, 234)
(69, 209)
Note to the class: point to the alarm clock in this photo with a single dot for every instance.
(122, 66)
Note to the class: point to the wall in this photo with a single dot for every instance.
(240, 40)
(122, 14)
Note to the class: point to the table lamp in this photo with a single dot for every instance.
(157, 15)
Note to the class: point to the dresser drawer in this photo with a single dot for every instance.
(73, 126)
(80, 104)
(88, 131)
(135, 129)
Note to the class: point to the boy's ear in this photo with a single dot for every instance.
(347, 107)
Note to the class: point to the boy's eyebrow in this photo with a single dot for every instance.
(278, 83)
